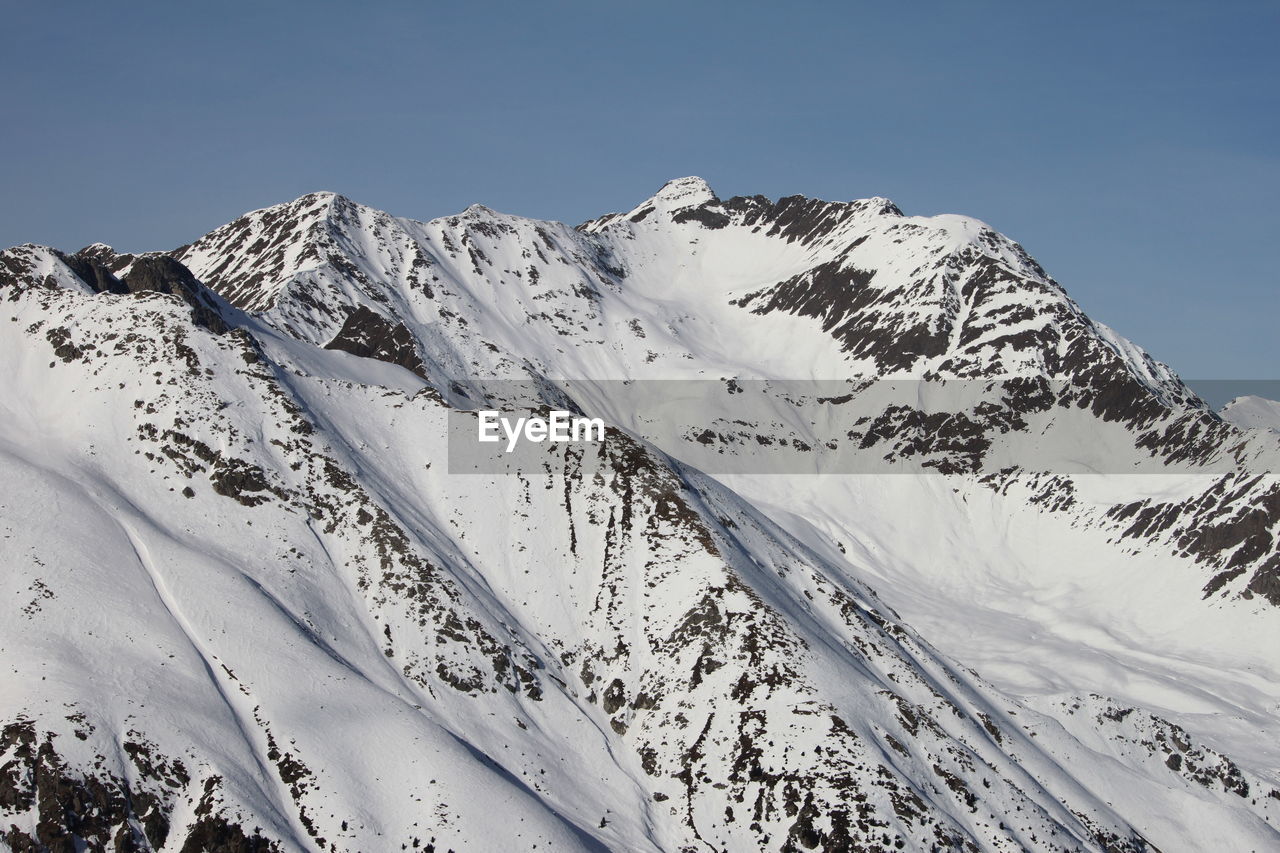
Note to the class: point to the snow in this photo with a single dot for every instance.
(493, 662)
(1251, 412)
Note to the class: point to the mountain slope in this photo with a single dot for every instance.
(253, 606)
(1251, 412)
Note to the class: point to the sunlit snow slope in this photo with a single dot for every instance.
(251, 608)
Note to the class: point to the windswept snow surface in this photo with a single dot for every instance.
(252, 605)
(1251, 412)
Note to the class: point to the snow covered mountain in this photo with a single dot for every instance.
(254, 606)
(1252, 412)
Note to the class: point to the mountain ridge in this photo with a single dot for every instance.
(616, 650)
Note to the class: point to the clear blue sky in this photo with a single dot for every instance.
(1131, 147)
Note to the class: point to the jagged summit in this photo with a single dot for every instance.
(888, 294)
(250, 259)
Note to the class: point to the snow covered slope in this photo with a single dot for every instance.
(1251, 412)
(252, 608)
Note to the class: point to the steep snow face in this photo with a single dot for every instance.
(251, 605)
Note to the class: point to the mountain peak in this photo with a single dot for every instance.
(322, 197)
(249, 259)
(1252, 412)
(683, 192)
(675, 195)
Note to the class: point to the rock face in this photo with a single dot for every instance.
(370, 335)
(252, 609)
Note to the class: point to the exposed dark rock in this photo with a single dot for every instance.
(706, 215)
(860, 316)
(93, 273)
(215, 834)
(163, 274)
(97, 811)
(614, 697)
(368, 334)
(240, 481)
